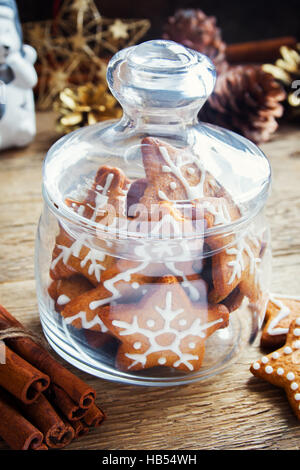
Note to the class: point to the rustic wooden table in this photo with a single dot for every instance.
(231, 411)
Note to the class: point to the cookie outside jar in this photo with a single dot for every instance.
(153, 259)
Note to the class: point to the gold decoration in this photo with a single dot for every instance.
(84, 105)
(73, 48)
(119, 30)
(287, 71)
(118, 34)
(81, 23)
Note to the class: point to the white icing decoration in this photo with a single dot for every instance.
(109, 284)
(168, 315)
(63, 299)
(193, 192)
(238, 264)
(287, 350)
(290, 376)
(193, 291)
(162, 360)
(294, 386)
(163, 195)
(297, 396)
(280, 371)
(220, 213)
(264, 360)
(191, 171)
(101, 195)
(284, 311)
(269, 369)
(192, 345)
(296, 331)
(297, 321)
(173, 185)
(95, 257)
(80, 210)
(150, 323)
(256, 366)
(135, 285)
(137, 345)
(275, 355)
(85, 323)
(166, 169)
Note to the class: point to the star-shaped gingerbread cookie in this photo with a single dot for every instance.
(282, 367)
(281, 311)
(164, 328)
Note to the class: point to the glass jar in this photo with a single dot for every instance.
(153, 257)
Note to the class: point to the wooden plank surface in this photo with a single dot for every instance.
(231, 411)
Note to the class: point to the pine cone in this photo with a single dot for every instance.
(194, 29)
(245, 100)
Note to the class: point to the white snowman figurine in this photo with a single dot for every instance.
(17, 116)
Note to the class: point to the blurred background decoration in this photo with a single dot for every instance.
(286, 70)
(76, 38)
(74, 47)
(84, 105)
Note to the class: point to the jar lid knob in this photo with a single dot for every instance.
(161, 74)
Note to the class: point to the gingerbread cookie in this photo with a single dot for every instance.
(64, 290)
(104, 203)
(72, 256)
(106, 199)
(165, 221)
(234, 300)
(124, 280)
(281, 311)
(135, 193)
(236, 265)
(282, 367)
(216, 211)
(164, 328)
(174, 174)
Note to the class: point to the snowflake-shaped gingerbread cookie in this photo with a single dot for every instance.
(164, 329)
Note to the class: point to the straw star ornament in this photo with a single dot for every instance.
(73, 48)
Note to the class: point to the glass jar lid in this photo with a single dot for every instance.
(157, 172)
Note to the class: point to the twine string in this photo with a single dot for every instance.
(18, 332)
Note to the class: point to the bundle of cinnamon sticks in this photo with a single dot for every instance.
(42, 404)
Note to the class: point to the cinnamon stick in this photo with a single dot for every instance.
(82, 394)
(66, 405)
(257, 52)
(80, 428)
(21, 379)
(15, 430)
(94, 416)
(57, 433)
